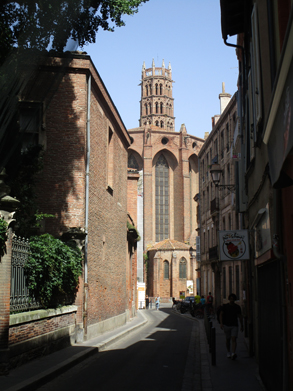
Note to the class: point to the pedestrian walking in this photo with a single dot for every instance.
(202, 301)
(197, 299)
(229, 315)
(147, 302)
(210, 299)
(157, 302)
(209, 303)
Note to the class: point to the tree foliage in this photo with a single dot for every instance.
(37, 23)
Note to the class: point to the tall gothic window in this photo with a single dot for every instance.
(162, 199)
(166, 270)
(182, 268)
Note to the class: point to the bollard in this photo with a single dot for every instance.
(213, 345)
(210, 335)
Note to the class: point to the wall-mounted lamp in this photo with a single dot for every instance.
(216, 172)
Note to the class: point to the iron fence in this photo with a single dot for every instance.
(19, 293)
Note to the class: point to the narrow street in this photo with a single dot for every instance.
(159, 356)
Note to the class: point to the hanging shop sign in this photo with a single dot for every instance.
(233, 245)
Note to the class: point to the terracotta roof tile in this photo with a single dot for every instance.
(169, 244)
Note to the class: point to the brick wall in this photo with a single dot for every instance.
(62, 184)
(23, 332)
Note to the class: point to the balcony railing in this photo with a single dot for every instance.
(215, 206)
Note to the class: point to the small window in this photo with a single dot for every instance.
(165, 140)
(132, 162)
(29, 123)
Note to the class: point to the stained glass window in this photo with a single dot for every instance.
(162, 199)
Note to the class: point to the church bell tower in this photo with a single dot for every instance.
(157, 103)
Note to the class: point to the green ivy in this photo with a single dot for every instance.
(52, 270)
(132, 227)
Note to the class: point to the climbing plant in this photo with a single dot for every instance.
(52, 270)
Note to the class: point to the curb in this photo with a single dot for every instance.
(103, 345)
(44, 377)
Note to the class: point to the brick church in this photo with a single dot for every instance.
(167, 162)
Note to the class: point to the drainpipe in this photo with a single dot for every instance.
(87, 204)
(282, 258)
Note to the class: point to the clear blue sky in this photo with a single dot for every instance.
(187, 34)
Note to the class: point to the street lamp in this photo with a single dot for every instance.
(216, 172)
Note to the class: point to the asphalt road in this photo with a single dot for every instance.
(159, 356)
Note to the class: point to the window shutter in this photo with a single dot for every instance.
(255, 64)
(197, 248)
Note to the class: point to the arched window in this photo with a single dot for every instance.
(150, 105)
(182, 268)
(157, 123)
(132, 163)
(166, 270)
(156, 89)
(162, 124)
(151, 89)
(146, 90)
(161, 107)
(146, 109)
(162, 199)
(161, 89)
(157, 107)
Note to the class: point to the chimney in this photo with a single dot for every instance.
(224, 99)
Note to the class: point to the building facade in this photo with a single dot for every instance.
(168, 166)
(218, 205)
(264, 32)
(84, 183)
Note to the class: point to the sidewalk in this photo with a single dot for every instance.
(227, 375)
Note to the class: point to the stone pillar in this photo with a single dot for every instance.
(8, 206)
(148, 194)
(186, 196)
(157, 263)
(174, 288)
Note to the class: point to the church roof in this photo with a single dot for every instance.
(169, 244)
